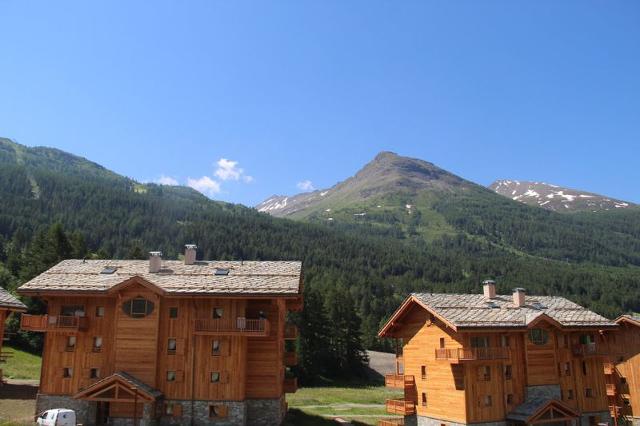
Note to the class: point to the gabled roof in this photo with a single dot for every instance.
(119, 386)
(542, 410)
(629, 319)
(468, 311)
(260, 278)
(9, 301)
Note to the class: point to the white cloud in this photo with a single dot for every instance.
(205, 184)
(305, 185)
(247, 179)
(166, 180)
(228, 170)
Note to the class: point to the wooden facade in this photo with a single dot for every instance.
(217, 349)
(484, 374)
(622, 370)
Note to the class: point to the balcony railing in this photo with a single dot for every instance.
(290, 384)
(399, 381)
(290, 332)
(611, 389)
(391, 422)
(403, 407)
(53, 323)
(290, 358)
(588, 349)
(473, 354)
(241, 327)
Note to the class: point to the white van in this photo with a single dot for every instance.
(57, 417)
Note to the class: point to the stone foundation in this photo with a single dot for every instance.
(252, 412)
(431, 421)
(605, 417)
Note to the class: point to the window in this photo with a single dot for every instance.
(138, 307)
(538, 336)
(94, 373)
(217, 411)
(168, 409)
(423, 372)
(587, 339)
(215, 347)
(99, 311)
(566, 370)
(171, 376)
(97, 343)
(588, 393)
(67, 372)
(72, 310)
(623, 380)
(424, 399)
(505, 341)
(569, 394)
(217, 313)
(510, 399)
(215, 377)
(173, 410)
(508, 372)
(71, 343)
(487, 401)
(584, 368)
(442, 343)
(565, 340)
(484, 373)
(171, 346)
(173, 312)
(479, 342)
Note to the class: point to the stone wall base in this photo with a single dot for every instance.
(605, 417)
(251, 412)
(431, 421)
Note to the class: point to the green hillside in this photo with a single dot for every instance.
(454, 235)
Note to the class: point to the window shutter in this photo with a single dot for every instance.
(86, 373)
(225, 347)
(180, 346)
(179, 377)
(224, 377)
(61, 343)
(222, 410)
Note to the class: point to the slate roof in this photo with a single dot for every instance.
(532, 406)
(474, 311)
(131, 381)
(9, 301)
(248, 277)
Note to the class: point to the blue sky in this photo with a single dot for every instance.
(295, 91)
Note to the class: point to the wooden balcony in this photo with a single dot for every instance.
(611, 389)
(55, 323)
(609, 368)
(290, 358)
(391, 422)
(588, 349)
(473, 354)
(290, 332)
(399, 381)
(402, 407)
(290, 384)
(241, 327)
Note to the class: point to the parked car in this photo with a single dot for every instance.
(57, 417)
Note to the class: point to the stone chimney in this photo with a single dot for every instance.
(489, 287)
(518, 296)
(155, 261)
(190, 254)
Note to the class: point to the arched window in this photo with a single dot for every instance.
(138, 307)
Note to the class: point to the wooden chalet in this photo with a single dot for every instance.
(167, 342)
(622, 370)
(8, 304)
(491, 359)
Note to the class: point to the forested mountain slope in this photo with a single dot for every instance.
(418, 240)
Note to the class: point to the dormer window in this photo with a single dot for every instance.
(538, 336)
(138, 307)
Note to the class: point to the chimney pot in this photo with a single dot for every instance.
(190, 254)
(518, 296)
(155, 261)
(489, 287)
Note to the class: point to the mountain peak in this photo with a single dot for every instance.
(554, 197)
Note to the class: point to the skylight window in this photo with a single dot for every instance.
(108, 270)
(221, 271)
(493, 305)
(539, 306)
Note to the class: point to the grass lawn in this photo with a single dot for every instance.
(363, 405)
(22, 365)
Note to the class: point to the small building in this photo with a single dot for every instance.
(622, 370)
(8, 304)
(489, 359)
(167, 342)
